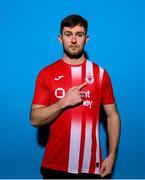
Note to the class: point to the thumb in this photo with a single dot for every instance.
(102, 170)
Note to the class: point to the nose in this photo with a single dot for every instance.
(73, 39)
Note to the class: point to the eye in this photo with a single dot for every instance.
(80, 34)
(67, 34)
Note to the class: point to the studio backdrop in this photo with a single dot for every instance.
(29, 32)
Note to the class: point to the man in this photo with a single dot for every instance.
(68, 95)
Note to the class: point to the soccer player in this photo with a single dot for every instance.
(68, 95)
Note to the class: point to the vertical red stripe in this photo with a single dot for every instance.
(94, 147)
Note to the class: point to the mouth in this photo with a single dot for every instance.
(74, 47)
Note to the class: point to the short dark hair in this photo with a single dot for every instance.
(72, 21)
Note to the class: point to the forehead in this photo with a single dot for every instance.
(74, 29)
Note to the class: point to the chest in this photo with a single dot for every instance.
(66, 78)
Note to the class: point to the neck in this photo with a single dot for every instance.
(74, 61)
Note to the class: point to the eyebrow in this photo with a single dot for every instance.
(75, 33)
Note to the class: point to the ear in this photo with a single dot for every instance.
(60, 38)
(87, 38)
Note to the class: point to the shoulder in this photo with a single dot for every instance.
(50, 68)
(96, 67)
(100, 70)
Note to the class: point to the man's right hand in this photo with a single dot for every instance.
(73, 96)
(41, 115)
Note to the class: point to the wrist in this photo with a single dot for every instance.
(112, 154)
(61, 104)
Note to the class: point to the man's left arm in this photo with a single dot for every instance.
(113, 129)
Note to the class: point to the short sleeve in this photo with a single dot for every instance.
(41, 93)
(107, 95)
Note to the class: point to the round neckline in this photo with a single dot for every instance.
(74, 65)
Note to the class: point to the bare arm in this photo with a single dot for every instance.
(113, 128)
(41, 115)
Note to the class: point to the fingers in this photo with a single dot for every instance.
(106, 168)
(82, 85)
(82, 93)
(75, 95)
(102, 169)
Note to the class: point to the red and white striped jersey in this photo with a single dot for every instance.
(73, 144)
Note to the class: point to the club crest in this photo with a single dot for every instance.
(90, 78)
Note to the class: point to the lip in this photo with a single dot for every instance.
(73, 47)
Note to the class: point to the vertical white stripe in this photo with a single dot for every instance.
(74, 146)
(75, 134)
(89, 68)
(88, 130)
(76, 75)
(101, 72)
(87, 148)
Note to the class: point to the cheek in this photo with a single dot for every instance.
(82, 43)
(65, 42)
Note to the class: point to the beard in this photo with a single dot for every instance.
(73, 54)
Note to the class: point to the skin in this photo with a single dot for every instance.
(113, 129)
(73, 40)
